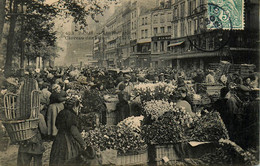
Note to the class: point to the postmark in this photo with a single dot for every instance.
(227, 11)
(213, 30)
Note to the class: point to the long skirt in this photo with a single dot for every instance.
(64, 148)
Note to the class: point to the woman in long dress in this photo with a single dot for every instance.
(68, 143)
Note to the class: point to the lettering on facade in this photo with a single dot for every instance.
(156, 38)
(78, 38)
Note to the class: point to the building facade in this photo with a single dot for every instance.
(193, 47)
(173, 33)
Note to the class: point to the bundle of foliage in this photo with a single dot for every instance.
(228, 153)
(92, 102)
(120, 138)
(169, 128)
(209, 127)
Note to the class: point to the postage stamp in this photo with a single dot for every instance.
(214, 30)
(223, 12)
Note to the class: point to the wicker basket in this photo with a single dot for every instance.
(21, 130)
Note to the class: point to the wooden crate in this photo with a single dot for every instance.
(133, 159)
(157, 153)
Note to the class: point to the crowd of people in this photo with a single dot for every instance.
(238, 104)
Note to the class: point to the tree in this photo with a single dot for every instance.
(40, 13)
(2, 17)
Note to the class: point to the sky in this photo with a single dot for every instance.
(63, 27)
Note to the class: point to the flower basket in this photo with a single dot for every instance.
(21, 129)
(158, 153)
(133, 159)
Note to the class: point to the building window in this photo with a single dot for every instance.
(190, 7)
(155, 46)
(169, 29)
(176, 12)
(201, 23)
(195, 26)
(155, 21)
(201, 2)
(146, 33)
(189, 28)
(182, 10)
(169, 17)
(162, 30)
(142, 21)
(182, 28)
(155, 30)
(142, 34)
(176, 30)
(162, 46)
(162, 19)
(193, 5)
(146, 20)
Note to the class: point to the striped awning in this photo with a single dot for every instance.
(175, 44)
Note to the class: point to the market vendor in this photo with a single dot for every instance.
(122, 107)
(68, 143)
(182, 102)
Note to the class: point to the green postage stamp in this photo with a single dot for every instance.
(226, 14)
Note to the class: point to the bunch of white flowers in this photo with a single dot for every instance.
(133, 122)
(157, 108)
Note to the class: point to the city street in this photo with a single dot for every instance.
(129, 82)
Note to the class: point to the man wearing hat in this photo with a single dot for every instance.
(126, 88)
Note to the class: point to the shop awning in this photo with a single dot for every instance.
(175, 44)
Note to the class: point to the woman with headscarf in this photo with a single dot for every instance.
(182, 100)
(68, 144)
(56, 105)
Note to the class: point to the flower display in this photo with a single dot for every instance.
(133, 122)
(209, 127)
(156, 108)
(122, 139)
(157, 91)
(170, 127)
(228, 153)
(92, 102)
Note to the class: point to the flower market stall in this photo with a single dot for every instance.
(125, 138)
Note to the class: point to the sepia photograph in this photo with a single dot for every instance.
(129, 82)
